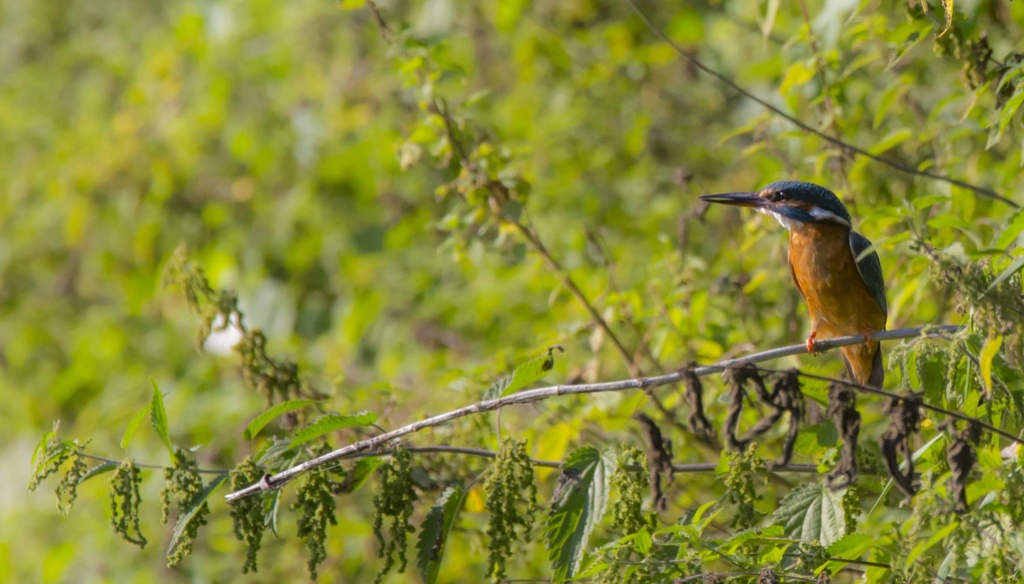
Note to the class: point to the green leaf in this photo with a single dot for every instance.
(193, 507)
(769, 18)
(643, 542)
(577, 505)
(97, 470)
(988, 353)
(930, 543)
(889, 97)
(797, 75)
(892, 140)
(755, 535)
(1013, 269)
(1008, 236)
(330, 423)
(531, 371)
(853, 546)
(280, 409)
(927, 373)
(812, 513)
(527, 373)
(434, 532)
(134, 425)
(159, 417)
(360, 471)
(39, 453)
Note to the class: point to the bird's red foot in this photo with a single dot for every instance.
(869, 336)
(811, 345)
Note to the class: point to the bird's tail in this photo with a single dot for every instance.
(874, 376)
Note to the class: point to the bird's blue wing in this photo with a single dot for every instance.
(870, 269)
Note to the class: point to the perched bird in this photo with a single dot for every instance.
(845, 292)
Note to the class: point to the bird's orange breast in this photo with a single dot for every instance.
(824, 268)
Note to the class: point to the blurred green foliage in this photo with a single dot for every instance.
(404, 216)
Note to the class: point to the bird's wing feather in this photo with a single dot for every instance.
(870, 269)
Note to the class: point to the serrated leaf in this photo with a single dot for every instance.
(330, 423)
(988, 353)
(280, 409)
(577, 505)
(434, 533)
(853, 546)
(812, 513)
(755, 535)
(133, 425)
(193, 507)
(527, 373)
(643, 542)
(531, 371)
(158, 416)
(927, 373)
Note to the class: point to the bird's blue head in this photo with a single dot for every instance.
(792, 203)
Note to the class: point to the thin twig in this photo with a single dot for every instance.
(540, 394)
(985, 192)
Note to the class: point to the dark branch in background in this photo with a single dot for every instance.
(372, 445)
(985, 192)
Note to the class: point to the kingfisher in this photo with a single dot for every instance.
(843, 286)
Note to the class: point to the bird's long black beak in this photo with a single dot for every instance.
(737, 199)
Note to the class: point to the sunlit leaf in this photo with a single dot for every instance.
(263, 419)
(988, 353)
(158, 417)
(133, 425)
(331, 423)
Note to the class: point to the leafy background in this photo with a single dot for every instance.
(285, 144)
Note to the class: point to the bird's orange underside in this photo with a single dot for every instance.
(838, 300)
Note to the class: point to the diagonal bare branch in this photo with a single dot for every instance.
(540, 394)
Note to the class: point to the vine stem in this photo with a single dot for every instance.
(534, 395)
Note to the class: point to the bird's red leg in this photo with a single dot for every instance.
(811, 348)
(869, 336)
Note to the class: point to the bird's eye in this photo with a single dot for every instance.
(778, 196)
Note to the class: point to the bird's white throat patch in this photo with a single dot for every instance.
(782, 219)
